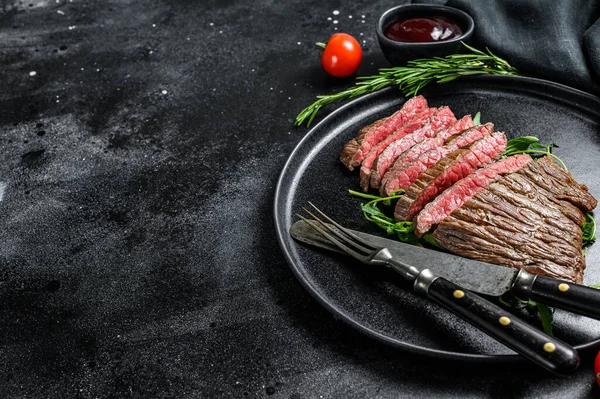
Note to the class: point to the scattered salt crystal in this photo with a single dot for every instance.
(32, 73)
(188, 38)
(329, 18)
(362, 16)
(289, 98)
(270, 88)
(82, 69)
(299, 43)
(350, 16)
(154, 25)
(361, 33)
(335, 21)
(220, 31)
(61, 12)
(164, 92)
(334, 28)
(72, 27)
(97, 70)
(363, 21)
(336, 12)
(252, 69)
(150, 52)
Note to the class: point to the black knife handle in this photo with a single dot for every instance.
(559, 294)
(513, 332)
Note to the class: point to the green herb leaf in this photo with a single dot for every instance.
(477, 119)
(530, 145)
(414, 76)
(504, 301)
(545, 317)
(596, 286)
(588, 229)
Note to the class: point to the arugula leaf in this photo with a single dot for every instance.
(504, 302)
(477, 119)
(588, 229)
(545, 317)
(596, 286)
(530, 145)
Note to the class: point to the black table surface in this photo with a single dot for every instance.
(141, 145)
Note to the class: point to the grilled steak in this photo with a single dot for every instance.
(416, 123)
(413, 153)
(402, 177)
(455, 196)
(514, 222)
(549, 175)
(447, 171)
(441, 120)
(356, 149)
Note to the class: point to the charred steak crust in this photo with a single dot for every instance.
(549, 175)
(441, 120)
(455, 196)
(515, 224)
(401, 176)
(416, 123)
(447, 171)
(357, 148)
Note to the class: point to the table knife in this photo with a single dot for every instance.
(481, 277)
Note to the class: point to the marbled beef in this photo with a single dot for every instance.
(402, 176)
(357, 149)
(455, 196)
(447, 171)
(441, 120)
(416, 123)
(515, 221)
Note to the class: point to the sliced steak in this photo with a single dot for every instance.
(402, 176)
(441, 120)
(356, 149)
(447, 171)
(413, 153)
(516, 225)
(416, 123)
(455, 196)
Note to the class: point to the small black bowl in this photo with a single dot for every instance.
(398, 53)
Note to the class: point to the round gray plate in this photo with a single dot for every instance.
(375, 301)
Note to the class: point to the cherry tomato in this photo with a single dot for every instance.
(342, 55)
(597, 368)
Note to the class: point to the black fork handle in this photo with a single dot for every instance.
(523, 338)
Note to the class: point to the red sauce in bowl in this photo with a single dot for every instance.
(422, 30)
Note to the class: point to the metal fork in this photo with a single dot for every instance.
(523, 338)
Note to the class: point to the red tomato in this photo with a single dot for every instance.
(597, 368)
(342, 55)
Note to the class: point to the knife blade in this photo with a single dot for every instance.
(476, 276)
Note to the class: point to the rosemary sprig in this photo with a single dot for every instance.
(414, 76)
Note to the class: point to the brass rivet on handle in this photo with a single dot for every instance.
(549, 347)
(504, 320)
(563, 287)
(458, 294)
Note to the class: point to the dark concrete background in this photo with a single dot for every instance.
(141, 143)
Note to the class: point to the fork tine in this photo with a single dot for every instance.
(335, 241)
(341, 236)
(363, 243)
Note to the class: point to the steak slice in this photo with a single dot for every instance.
(413, 153)
(441, 120)
(447, 171)
(515, 224)
(356, 149)
(455, 196)
(402, 177)
(416, 123)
